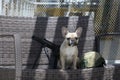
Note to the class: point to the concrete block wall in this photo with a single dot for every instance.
(45, 27)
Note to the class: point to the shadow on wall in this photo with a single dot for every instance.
(36, 48)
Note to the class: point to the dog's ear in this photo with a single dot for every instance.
(79, 31)
(64, 31)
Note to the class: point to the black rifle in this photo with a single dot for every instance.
(52, 46)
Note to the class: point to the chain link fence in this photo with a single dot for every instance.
(46, 7)
(106, 14)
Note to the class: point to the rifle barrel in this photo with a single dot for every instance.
(45, 42)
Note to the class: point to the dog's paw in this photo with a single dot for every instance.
(75, 68)
(62, 70)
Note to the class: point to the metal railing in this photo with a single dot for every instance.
(18, 56)
(108, 45)
(32, 8)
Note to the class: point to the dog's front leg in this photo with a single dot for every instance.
(74, 62)
(62, 59)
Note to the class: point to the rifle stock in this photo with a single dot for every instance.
(52, 46)
(46, 43)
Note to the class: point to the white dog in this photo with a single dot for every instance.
(68, 49)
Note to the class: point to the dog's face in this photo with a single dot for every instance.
(71, 37)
